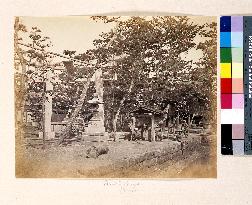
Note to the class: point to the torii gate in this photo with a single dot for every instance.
(47, 104)
(97, 126)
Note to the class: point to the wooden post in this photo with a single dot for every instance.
(189, 120)
(168, 127)
(163, 129)
(133, 126)
(177, 121)
(152, 128)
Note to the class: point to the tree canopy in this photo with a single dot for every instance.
(141, 57)
(145, 46)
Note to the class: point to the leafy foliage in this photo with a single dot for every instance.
(142, 46)
(142, 63)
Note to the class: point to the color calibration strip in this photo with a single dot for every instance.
(232, 92)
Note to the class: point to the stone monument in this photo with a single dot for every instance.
(96, 128)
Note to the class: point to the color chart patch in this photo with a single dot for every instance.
(232, 95)
(236, 124)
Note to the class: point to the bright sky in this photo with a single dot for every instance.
(68, 33)
(78, 32)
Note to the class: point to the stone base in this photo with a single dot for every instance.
(49, 136)
(95, 137)
(95, 126)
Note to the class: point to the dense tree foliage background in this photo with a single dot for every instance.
(142, 59)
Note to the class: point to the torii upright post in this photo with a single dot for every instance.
(48, 106)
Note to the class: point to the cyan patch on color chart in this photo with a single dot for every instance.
(225, 39)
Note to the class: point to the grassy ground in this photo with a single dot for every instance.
(71, 161)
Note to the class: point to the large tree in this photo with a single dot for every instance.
(141, 46)
(31, 82)
(207, 70)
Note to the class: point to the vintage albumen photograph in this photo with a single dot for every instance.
(115, 96)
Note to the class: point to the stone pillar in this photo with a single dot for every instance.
(99, 92)
(48, 106)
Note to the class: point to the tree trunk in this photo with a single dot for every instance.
(191, 121)
(75, 112)
(22, 83)
(120, 106)
(162, 130)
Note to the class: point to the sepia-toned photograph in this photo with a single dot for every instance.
(115, 96)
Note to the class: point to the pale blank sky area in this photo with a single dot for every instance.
(68, 33)
(78, 32)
